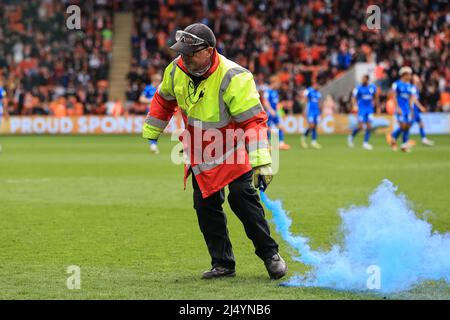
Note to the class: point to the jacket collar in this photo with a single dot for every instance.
(212, 68)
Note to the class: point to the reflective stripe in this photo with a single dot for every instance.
(172, 73)
(224, 115)
(261, 144)
(205, 125)
(253, 111)
(161, 124)
(195, 170)
(205, 166)
(167, 97)
(224, 86)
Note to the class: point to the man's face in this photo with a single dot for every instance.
(198, 60)
(365, 80)
(416, 80)
(406, 77)
(275, 85)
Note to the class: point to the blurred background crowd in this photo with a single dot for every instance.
(47, 69)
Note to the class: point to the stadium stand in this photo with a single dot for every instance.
(301, 41)
(48, 70)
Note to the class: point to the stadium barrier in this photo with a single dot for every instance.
(435, 123)
(344, 83)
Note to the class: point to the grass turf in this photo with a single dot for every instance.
(106, 204)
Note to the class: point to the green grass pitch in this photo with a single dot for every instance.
(106, 204)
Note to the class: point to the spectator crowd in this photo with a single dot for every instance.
(48, 69)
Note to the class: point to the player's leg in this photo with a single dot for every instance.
(213, 225)
(418, 120)
(1, 117)
(405, 147)
(314, 142)
(423, 135)
(283, 145)
(392, 138)
(396, 133)
(280, 134)
(355, 131)
(307, 131)
(368, 122)
(303, 138)
(269, 126)
(411, 142)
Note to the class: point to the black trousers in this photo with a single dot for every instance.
(245, 203)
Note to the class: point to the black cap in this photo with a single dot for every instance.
(200, 30)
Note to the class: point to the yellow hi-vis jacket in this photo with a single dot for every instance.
(226, 125)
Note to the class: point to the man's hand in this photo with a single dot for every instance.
(273, 113)
(262, 176)
(144, 100)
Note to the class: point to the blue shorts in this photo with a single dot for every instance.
(272, 120)
(405, 118)
(365, 117)
(313, 118)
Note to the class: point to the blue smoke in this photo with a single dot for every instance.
(386, 234)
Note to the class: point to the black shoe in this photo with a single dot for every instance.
(218, 272)
(276, 266)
